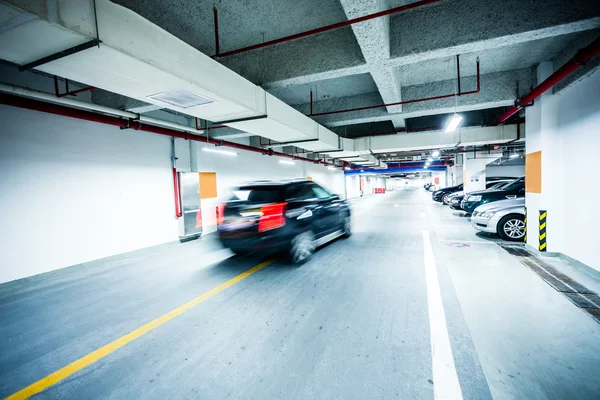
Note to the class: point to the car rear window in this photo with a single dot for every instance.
(258, 194)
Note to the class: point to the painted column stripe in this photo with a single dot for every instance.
(542, 230)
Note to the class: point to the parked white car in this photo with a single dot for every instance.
(505, 218)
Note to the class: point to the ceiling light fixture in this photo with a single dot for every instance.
(436, 153)
(331, 168)
(453, 124)
(515, 155)
(224, 152)
(430, 159)
(287, 162)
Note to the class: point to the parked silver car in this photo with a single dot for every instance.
(505, 218)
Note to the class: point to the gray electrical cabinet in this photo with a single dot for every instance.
(190, 223)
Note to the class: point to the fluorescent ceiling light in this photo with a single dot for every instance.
(515, 155)
(287, 162)
(453, 124)
(436, 153)
(430, 159)
(332, 168)
(224, 152)
(425, 167)
(348, 168)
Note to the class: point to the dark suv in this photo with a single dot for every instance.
(510, 191)
(294, 217)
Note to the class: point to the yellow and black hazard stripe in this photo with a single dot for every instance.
(525, 229)
(543, 214)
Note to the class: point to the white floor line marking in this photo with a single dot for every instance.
(445, 378)
(470, 241)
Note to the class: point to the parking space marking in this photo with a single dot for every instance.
(445, 378)
(111, 347)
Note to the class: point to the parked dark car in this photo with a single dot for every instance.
(427, 185)
(294, 217)
(438, 195)
(510, 191)
(455, 199)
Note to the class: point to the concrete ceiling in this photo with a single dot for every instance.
(400, 57)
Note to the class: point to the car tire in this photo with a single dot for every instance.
(347, 227)
(240, 252)
(446, 198)
(302, 247)
(512, 228)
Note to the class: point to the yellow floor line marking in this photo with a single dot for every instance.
(111, 347)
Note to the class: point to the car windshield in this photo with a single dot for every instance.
(257, 194)
(499, 185)
(516, 184)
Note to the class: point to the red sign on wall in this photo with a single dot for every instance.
(436, 180)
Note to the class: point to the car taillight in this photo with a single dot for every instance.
(272, 216)
(220, 214)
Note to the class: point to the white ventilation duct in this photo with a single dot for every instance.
(138, 59)
(475, 136)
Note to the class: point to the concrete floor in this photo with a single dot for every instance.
(353, 323)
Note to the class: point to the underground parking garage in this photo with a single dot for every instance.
(334, 200)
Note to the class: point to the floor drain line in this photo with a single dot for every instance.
(582, 297)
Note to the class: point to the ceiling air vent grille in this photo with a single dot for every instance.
(181, 98)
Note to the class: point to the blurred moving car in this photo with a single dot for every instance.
(455, 199)
(511, 190)
(504, 217)
(294, 217)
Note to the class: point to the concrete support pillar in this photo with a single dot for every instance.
(474, 176)
(544, 175)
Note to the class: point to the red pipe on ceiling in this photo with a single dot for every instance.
(37, 105)
(581, 58)
(327, 28)
(444, 96)
(406, 130)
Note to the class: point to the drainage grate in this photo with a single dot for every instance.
(582, 297)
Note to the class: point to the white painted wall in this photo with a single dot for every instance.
(474, 173)
(75, 191)
(566, 128)
(352, 186)
(515, 171)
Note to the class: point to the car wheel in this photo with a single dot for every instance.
(347, 227)
(512, 227)
(303, 246)
(240, 252)
(446, 199)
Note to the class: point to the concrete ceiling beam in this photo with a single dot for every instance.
(450, 28)
(497, 89)
(373, 37)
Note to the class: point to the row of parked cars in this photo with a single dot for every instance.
(499, 209)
